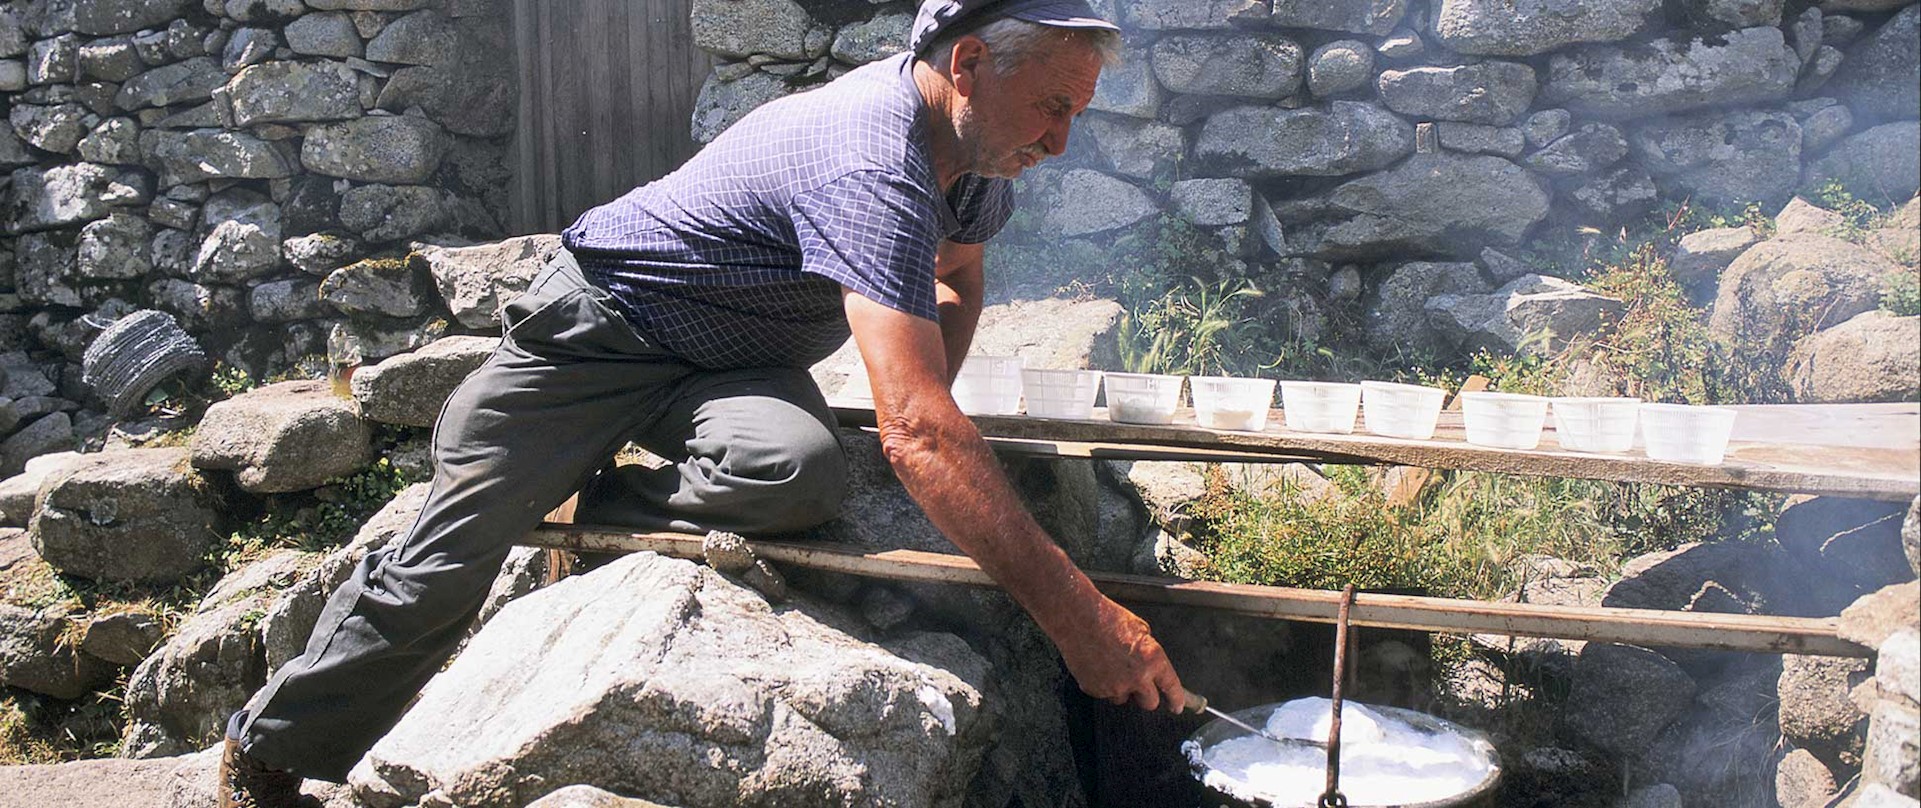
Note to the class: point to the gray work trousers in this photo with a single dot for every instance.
(571, 383)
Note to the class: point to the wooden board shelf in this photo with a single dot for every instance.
(1866, 451)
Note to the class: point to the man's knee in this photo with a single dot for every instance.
(811, 492)
(772, 464)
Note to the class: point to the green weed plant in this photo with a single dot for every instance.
(1858, 215)
(1465, 538)
(319, 521)
(1197, 329)
(1660, 348)
(1902, 294)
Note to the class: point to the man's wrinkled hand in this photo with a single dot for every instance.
(1119, 661)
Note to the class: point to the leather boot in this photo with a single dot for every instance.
(246, 783)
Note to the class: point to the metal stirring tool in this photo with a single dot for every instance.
(1196, 703)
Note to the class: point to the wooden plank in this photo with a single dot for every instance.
(603, 98)
(1757, 633)
(523, 187)
(1874, 425)
(680, 69)
(644, 85)
(607, 91)
(572, 109)
(1891, 471)
(549, 124)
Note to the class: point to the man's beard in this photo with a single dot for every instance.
(974, 142)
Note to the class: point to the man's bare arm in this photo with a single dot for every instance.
(948, 469)
(959, 280)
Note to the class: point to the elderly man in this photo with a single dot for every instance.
(683, 316)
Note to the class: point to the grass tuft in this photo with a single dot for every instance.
(1466, 538)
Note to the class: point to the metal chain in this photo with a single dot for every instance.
(1332, 797)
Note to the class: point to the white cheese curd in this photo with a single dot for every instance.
(1384, 760)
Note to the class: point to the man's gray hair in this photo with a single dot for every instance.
(1011, 43)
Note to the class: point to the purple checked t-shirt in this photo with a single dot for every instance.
(737, 259)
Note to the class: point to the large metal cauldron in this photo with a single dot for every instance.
(1217, 731)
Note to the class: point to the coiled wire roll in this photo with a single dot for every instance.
(134, 355)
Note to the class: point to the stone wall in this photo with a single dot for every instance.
(1321, 146)
(233, 163)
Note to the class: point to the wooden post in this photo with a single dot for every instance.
(560, 562)
(1426, 140)
(1404, 484)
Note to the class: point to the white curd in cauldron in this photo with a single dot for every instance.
(1384, 760)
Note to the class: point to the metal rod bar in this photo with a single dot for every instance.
(1332, 797)
(1648, 627)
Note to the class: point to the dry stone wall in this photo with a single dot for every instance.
(1321, 146)
(255, 169)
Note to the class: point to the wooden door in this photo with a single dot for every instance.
(607, 89)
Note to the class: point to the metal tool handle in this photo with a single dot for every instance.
(1194, 703)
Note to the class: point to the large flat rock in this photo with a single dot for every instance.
(133, 515)
(1528, 27)
(476, 281)
(1881, 76)
(56, 197)
(290, 436)
(1786, 287)
(660, 677)
(1874, 356)
(1672, 74)
(411, 388)
(399, 149)
(1727, 158)
(1346, 137)
(110, 783)
(1434, 204)
(1881, 165)
(738, 28)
